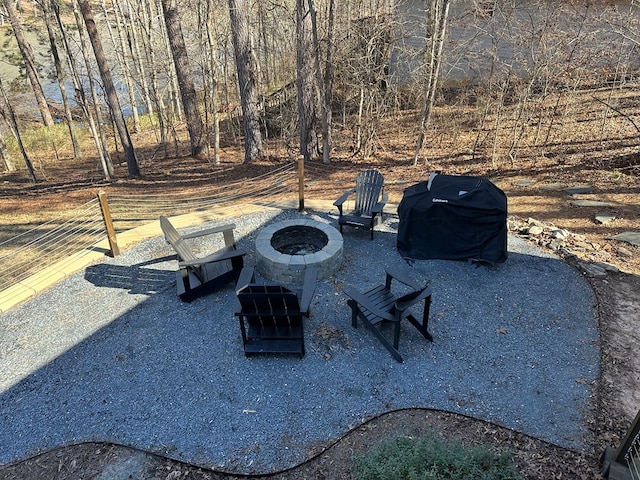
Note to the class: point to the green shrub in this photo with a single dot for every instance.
(432, 458)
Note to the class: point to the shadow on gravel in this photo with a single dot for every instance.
(134, 278)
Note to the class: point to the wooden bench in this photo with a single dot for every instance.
(197, 275)
(272, 316)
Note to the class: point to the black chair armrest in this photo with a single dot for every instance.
(216, 257)
(308, 289)
(338, 203)
(412, 298)
(209, 231)
(377, 208)
(367, 304)
(245, 278)
(402, 278)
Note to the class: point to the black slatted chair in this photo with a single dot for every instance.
(379, 306)
(369, 202)
(271, 316)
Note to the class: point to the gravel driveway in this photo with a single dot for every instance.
(111, 354)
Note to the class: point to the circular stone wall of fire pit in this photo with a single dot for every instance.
(284, 250)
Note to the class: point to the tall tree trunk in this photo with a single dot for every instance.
(80, 97)
(325, 85)
(305, 82)
(171, 74)
(215, 118)
(6, 158)
(109, 88)
(92, 112)
(246, 67)
(53, 43)
(184, 76)
(27, 55)
(145, 10)
(329, 72)
(135, 21)
(9, 115)
(436, 31)
(267, 75)
(121, 51)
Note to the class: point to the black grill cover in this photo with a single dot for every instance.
(453, 218)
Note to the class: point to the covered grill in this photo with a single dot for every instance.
(453, 218)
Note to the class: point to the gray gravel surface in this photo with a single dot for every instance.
(111, 354)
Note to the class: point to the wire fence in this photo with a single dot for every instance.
(50, 242)
(130, 211)
(62, 239)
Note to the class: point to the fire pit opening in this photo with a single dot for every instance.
(284, 250)
(299, 240)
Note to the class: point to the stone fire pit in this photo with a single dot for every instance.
(285, 249)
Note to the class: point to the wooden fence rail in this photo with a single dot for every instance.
(108, 216)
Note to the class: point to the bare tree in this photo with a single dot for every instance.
(121, 50)
(436, 31)
(362, 59)
(60, 74)
(91, 112)
(6, 158)
(210, 70)
(245, 66)
(6, 110)
(27, 56)
(185, 78)
(172, 81)
(325, 79)
(307, 117)
(133, 27)
(109, 88)
(146, 16)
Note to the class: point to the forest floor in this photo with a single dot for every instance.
(534, 185)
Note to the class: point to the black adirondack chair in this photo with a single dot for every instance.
(379, 306)
(198, 275)
(271, 316)
(369, 202)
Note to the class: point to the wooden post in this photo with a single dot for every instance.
(108, 223)
(301, 183)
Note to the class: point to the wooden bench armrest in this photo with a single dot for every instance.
(365, 303)
(338, 203)
(216, 257)
(209, 231)
(308, 289)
